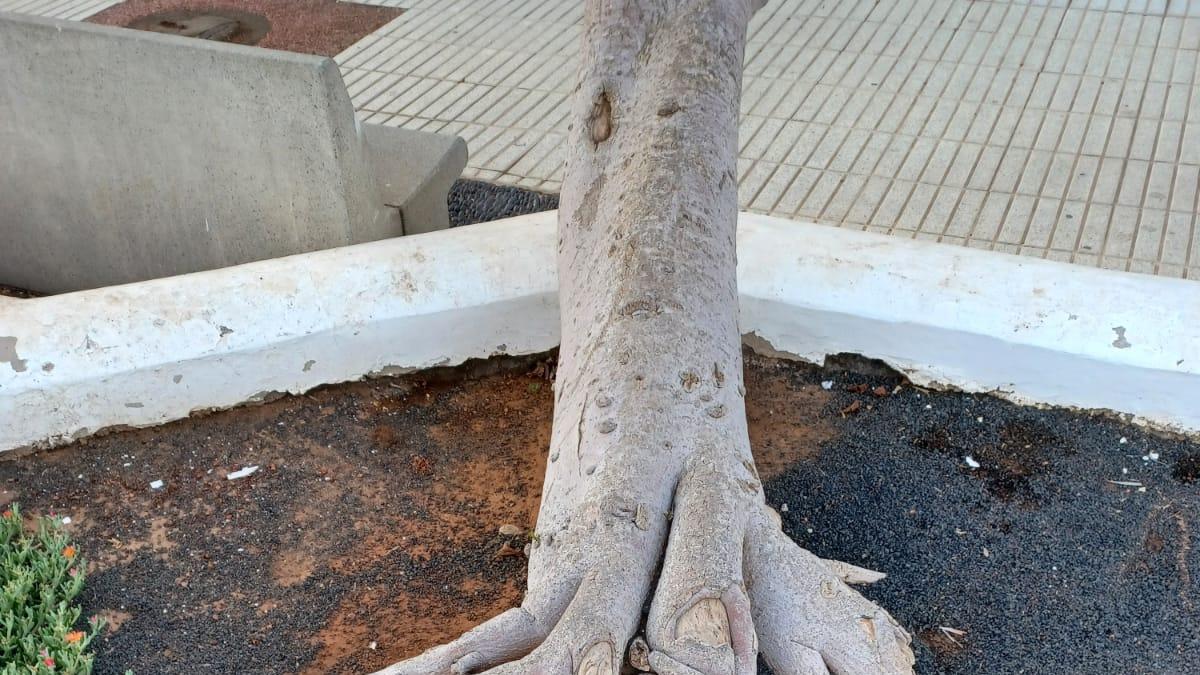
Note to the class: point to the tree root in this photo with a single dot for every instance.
(732, 584)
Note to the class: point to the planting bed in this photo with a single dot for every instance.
(371, 528)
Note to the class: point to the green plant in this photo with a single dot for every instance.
(41, 573)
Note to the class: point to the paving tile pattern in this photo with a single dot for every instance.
(74, 10)
(1064, 130)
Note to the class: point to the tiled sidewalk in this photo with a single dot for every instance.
(74, 10)
(1067, 132)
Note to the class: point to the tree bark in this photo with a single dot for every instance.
(650, 494)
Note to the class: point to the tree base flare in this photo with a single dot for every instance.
(731, 586)
(651, 494)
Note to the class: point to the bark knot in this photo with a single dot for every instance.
(599, 120)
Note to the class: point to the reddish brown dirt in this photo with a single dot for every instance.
(324, 27)
(785, 417)
(369, 532)
(372, 520)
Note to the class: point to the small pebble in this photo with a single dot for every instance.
(156, 485)
(827, 384)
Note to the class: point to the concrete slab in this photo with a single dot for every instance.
(133, 155)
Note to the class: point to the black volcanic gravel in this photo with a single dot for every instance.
(1047, 565)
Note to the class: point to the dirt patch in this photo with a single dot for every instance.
(323, 27)
(786, 417)
(369, 532)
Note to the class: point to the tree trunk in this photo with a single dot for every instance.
(651, 495)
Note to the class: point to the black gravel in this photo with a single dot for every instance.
(473, 201)
(1045, 564)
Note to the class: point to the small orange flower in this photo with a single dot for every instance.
(69, 552)
(74, 636)
(8, 513)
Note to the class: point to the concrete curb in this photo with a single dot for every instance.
(1031, 330)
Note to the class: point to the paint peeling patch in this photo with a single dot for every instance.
(1121, 342)
(225, 330)
(177, 379)
(47, 367)
(8, 354)
(134, 405)
(308, 365)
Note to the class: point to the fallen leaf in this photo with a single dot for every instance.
(852, 408)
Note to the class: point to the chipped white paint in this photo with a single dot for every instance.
(1036, 331)
(142, 354)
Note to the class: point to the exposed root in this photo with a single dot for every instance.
(731, 583)
(809, 620)
(499, 640)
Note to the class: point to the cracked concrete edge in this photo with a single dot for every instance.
(1029, 330)
(1033, 331)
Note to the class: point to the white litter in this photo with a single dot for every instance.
(1126, 483)
(156, 485)
(827, 384)
(1153, 456)
(971, 462)
(66, 520)
(242, 473)
(1123, 440)
(373, 645)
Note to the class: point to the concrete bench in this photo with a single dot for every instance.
(127, 155)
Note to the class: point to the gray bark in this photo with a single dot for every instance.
(650, 490)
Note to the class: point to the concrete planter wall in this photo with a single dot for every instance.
(1031, 330)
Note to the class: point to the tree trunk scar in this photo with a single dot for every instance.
(585, 214)
(597, 660)
(706, 622)
(641, 517)
(688, 380)
(868, 626)
(599, 120)
(579, 432)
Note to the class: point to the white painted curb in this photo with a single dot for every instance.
(1032, 330)
(145, 353)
